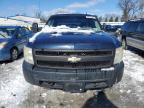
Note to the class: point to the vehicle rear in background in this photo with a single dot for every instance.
(112, 28)
(132, 33)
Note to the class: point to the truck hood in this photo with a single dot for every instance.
(74, 41)
(4, 40)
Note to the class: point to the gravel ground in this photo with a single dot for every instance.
(15, 92)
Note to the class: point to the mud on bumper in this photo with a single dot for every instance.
(73, 80)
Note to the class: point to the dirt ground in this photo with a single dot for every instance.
(15, 92)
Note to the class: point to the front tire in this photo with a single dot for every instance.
(14, 54)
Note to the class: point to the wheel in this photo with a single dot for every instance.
(14, 54)
(124, 44)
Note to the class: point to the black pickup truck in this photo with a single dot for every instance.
(73, 54)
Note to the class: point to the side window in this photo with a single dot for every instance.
(50, 22)
(18, 33)
(132, 27)
(27, 31)
(125, 26)
(97, 26)
(141, 28)
(21, 32)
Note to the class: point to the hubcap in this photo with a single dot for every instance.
(14, 54)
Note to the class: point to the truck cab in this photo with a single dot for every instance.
(132, 34)
(72, 53)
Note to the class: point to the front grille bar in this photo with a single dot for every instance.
(78, 53)
(59, 59)
(92, 64)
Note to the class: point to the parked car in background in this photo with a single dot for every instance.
(111, 28)
(37, 27)
(12, 41)
(132, 33)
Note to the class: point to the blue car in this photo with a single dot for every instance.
(12, 41)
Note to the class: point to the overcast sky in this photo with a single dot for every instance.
(29, 7)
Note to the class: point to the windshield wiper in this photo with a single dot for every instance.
(85, 28)
(3, 35)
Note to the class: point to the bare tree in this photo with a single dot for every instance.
(132, 9)
(106, 19)
(38, 14)
(127, 6)
(100, 18)
(116, 19)
(111, 19)
(141, 8)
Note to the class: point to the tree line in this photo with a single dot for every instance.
(110, 19)
(131, 9)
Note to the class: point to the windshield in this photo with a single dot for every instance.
(74, 22)
(6, 32)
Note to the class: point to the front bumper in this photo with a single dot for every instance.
(4, 54)
(73, 80)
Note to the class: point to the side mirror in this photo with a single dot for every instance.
(118, 32)
(35, 27)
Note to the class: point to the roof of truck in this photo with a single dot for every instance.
(137, 20)
(74, 15)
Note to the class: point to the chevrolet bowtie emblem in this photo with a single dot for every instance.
(74, 59)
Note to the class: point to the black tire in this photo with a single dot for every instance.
(124, 44)
(14, 54)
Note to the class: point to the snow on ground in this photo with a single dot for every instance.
(11, 22)
(25, 19)
(112, 23)
(15, 92)
(12, 84)
(135, 66)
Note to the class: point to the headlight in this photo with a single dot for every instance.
(118, 55)
(28, 56)
(2, 44)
